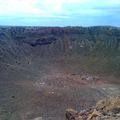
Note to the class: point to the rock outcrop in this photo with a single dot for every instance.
(104, 110)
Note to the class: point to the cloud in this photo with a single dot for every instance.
(41, 7)
(12, 7)
(68, 10)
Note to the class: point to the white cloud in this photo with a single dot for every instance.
(28, 6)
(11, 7)
(57, 5)
(52, 7)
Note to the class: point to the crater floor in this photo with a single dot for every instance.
(45, 89)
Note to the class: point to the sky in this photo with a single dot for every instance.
(60, 12)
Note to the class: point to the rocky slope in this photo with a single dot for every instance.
(98, 47)
(52, 41)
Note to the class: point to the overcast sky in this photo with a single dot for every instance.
(60, 12)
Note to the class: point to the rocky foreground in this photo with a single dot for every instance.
(104, 110)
